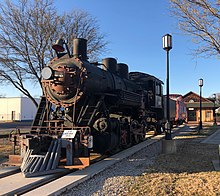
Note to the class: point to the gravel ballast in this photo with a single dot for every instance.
(118, 178)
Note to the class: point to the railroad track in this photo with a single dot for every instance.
(16, 184)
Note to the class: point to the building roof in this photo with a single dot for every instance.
(193, 97)
(192, 100)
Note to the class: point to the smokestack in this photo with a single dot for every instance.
(80, 48)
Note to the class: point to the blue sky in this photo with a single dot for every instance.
(134, 30)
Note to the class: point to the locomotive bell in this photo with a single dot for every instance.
(58, 46)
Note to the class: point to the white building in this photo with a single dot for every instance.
(17, 109)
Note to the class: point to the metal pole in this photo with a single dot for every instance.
(168, 93)
(200, 120)
(215, 123)
(219, 153)
(167, 126)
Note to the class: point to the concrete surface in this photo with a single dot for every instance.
(216, 165)
(18, 182)
(5, 171)
(213, 139)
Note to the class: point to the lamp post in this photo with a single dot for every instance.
(214, 95)
(167, 45)
(200, 101)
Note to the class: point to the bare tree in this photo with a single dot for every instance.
(201, 20)
(28, 30)
(217, 97)
(82, 24)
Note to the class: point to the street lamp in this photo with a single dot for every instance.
(200, 105)
(214, 95)
(167, 45)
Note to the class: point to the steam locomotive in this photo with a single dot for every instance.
(92, 107)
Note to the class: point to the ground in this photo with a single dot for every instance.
(5, 149)
(5, 129)
(187, 172)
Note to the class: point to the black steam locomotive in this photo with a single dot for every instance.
(93, 107)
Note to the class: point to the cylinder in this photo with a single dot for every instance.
(110, 64)
(80, 48)
(122, 70)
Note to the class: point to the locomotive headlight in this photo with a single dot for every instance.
(47, 73)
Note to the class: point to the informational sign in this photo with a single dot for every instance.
(69, 134)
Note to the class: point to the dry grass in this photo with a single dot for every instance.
(5, 149)
(187, 172)
(6, 146)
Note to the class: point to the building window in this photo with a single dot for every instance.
(208, 114)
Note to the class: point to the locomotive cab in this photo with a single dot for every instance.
(152, 86)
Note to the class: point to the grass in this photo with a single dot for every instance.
(5, 149)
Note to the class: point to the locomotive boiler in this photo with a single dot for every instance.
(92, 107)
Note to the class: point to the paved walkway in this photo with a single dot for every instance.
(213, 139)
